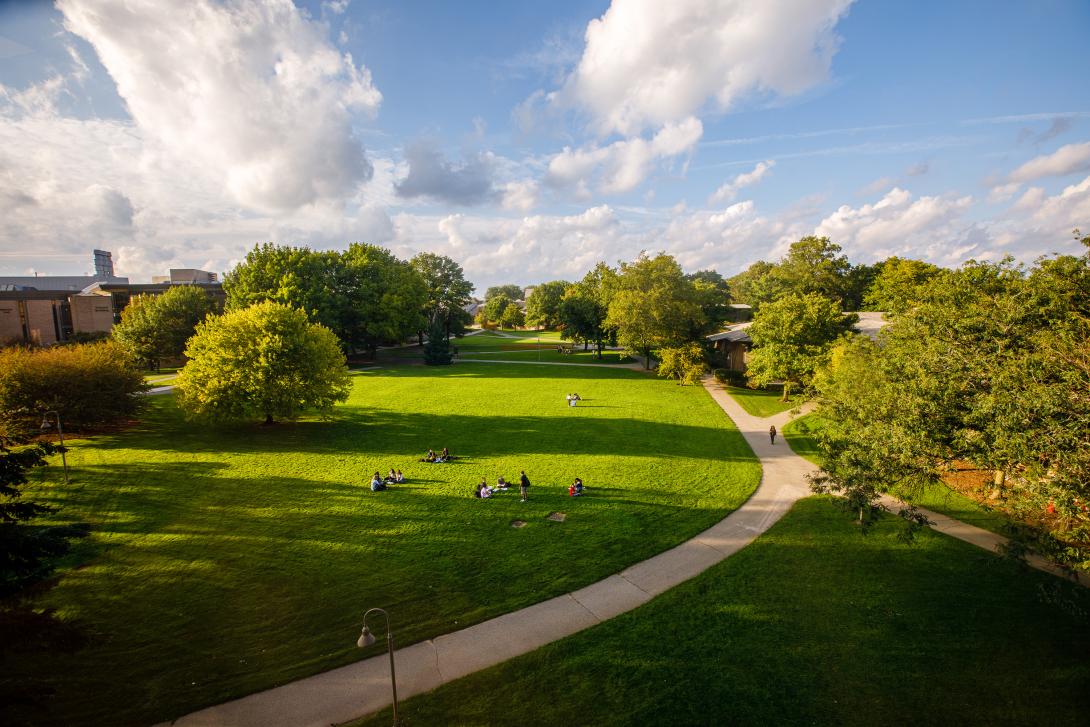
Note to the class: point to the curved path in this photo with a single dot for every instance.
(358, 689)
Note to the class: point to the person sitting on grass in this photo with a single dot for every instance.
(377, 484)
(430, 456)
(446, 455)
(501, 484)
(486, 491)
(576, 488)
(391, 478)
(398, 477)
(477, 490)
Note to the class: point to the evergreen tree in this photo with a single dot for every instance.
(437, 350)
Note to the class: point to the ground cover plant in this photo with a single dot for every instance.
(227, 560)
(762, 402)
(810, 624)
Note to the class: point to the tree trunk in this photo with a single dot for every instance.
(268, 420)
(647, 359)
(420, 338)
(786, 391)
(999, 478)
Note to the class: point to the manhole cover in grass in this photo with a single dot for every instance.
(518, 524)
(557, 517)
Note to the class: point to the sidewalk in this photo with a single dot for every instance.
(352, 691)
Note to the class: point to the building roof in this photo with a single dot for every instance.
(56, 282)
(870, 322)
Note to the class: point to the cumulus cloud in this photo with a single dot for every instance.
(899, 224)
(1065, 160)
(251, 89)
(647, 63)
(622, 165)
(729, 190)
(432, 175)
(521, 196)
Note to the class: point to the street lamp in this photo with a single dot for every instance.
(367, 638)
(46, 424)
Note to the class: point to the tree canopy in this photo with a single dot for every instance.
(791, 338)
(543, 305)
(512, 291)
(154, 327)
(267, 360)
(447, 292)
(653, 305)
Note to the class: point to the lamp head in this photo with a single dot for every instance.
(366, 638)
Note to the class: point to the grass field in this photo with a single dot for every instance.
(762, 402)
(811, 624)
(224, 561)
(936, 496)
(551, 355)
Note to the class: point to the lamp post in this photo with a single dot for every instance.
(46, 424)
(367, 638)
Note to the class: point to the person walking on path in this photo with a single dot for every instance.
(772, 433)
(524, 484)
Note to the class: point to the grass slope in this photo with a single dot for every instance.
(811, 624)
(762, 402)
(225, 561)
(800, 434)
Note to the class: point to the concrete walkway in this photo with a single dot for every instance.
(362, 688)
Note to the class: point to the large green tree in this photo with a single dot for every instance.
(512, 291)
(384, 297)
(267, 360)
(791, 338)
(543, 305)
(653, 305)
(495, 306)
(154, 327)
(448, 292)
(898, 284)
(585, 306)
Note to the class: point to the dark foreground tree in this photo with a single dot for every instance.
(27, 553)
(267, 360)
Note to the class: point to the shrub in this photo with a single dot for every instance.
(684, 363)
(87, 384)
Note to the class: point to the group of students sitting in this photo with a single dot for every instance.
(573, 398)
(379, 483)
(444, 456)
(483, 490)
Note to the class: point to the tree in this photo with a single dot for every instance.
(437, 350)
(384, 297)
(512, 317)
(513, 292)
(266, 360)
(654, 306)
(27, 553)
(495, 306)
(295, 276)
(543, 305)
(585, 305)
(713, 295)
(154, 327)
(791, 338)
(815, 265)
(898, 285)
(447, 290)
(684, 363)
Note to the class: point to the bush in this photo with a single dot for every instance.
(684, 363)
(730, 376)
(87, 384)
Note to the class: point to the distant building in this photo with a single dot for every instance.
(734, 343)
(48, 309)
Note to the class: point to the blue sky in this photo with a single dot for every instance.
(529, 140)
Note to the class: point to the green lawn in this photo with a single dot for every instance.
(800, 432)
(225, 561)
(813, 623)
(762, 402)
(551, 355)
(936, 496)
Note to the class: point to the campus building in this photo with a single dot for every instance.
(47, 309)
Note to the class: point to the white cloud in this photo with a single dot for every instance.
(647, 63)
(1003, 192)
(431, 175)
(250, 89)
(898, 224)
(622, 165)
(729, 190)
(521, 196)
(1065, 160)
